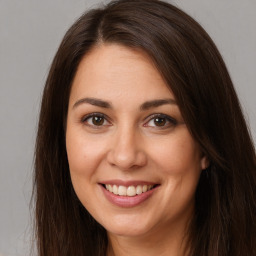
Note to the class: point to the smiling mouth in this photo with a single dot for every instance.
(129, 191)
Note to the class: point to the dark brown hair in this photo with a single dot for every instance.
(224, 223)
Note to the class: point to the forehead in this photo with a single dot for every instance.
(113, 71)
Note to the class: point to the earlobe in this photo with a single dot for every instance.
(204, 162)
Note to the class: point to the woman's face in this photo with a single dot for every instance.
(133, 163)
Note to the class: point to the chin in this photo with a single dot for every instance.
(127, 231)
(127, 227)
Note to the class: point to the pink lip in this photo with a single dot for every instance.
(127, 183)
(126, 201)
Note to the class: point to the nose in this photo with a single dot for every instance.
(126, 151)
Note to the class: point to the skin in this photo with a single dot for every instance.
(130, 144)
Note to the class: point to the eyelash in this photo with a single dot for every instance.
(92, 115)
(171, 122)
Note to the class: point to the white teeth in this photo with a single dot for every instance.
(138, 190)
(110, 188)
(122, 191)
(144, 188)
(131, 191)
(115, 189)
(128, 191)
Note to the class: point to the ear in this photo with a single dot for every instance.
(204, 162)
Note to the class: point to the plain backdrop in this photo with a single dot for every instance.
(30, 32)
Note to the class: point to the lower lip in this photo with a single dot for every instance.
(128, 201)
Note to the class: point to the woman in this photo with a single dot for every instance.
(142, 148)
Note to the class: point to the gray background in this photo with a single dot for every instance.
(30, 32)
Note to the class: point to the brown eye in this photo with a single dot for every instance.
(97, 120)
(159, 121)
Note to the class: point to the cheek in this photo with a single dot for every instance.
(83, 159)
(177, 155)
(178, 160)
(83, 155)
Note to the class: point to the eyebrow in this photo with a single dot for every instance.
(94, 102)
(156, 103)
(105, 104)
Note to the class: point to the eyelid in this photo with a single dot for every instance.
(86, 117)
(172, 121)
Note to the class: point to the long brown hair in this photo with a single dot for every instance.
(224, 223)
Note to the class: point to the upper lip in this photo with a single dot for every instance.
(127, 183)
